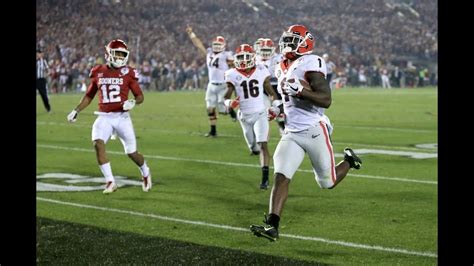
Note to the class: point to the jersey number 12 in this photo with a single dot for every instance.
(112, 95)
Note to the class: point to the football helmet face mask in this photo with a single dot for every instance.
(296, 41)
(218, 44)
(116, 53)
(244, 57)
(266, 49)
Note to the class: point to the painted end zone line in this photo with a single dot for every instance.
(227, 227)
(233, 164)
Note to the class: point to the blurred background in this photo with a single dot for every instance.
(364, 38)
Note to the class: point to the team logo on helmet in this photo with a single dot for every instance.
(296, 41)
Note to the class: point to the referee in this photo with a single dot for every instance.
(41, 74)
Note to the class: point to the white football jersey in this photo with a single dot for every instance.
(300, 113)
(271, 65)
(249, 87)
(217, 65)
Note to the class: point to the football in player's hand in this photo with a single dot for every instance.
(302, 81)
(294, 87)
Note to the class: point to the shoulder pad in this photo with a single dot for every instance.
(94, 70)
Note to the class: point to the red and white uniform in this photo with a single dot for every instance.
(216, 89)
(114, 86)
(252, 114)
(300, 113)
(307, 129)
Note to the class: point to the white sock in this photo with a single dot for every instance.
(144, 170)
(107, 172)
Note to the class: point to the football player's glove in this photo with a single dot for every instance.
(128, 104)
(293, 87)
(232, 103)
(72, 116)
(273, 112)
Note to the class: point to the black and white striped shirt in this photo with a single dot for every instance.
(41, 68)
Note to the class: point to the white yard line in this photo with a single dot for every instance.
(273, 138)
(409, 130)
(399, 179)
(227, 227)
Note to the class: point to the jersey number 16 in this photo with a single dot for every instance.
(251, 87)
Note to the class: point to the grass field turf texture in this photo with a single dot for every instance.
(206, 191)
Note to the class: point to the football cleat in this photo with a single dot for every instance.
(254, 153)
(267, 231)
(264, 184)
(146, 184)
(352, 158)
(110, 187)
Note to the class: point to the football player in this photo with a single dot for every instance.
(257, 43)
(218, 61)
(249, 80)
(307, 129)
(266, 55)
(113, 81)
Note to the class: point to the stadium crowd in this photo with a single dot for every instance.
(364, 38)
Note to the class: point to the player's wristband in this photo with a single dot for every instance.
(192, 35)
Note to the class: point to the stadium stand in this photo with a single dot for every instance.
(359, 35)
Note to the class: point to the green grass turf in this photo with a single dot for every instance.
(72, 244)
(361, 210)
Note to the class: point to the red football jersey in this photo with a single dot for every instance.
(113, 85)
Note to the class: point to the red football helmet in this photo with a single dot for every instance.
(218, 44)
(116, 53)
(266, 49)
(257, 43)
(296, 41)
(244, 57)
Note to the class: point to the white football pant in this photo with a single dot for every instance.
(316, 142)
(255, 128)
(215, 96)
(121, 123)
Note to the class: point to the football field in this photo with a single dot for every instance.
(206, 192)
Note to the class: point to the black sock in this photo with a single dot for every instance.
(273, 220)
(213, 130)
(265, 173)
(282, 125)
(232, 113)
